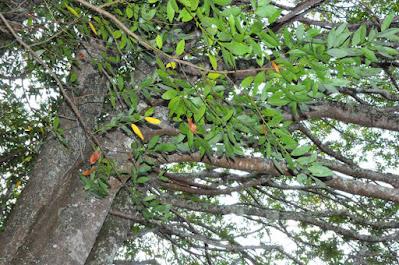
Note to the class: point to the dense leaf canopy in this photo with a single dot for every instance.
(258, 132)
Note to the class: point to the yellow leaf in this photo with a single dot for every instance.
(152, 120)
(213, 76)
(137, 131)
(73, 11)
(171, 65)
(92, 28)
(18, 184)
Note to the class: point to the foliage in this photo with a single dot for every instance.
(231, 80)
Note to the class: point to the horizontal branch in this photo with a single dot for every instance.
(363, 115)
(364, 189)
(260, 165)
(358, 172)
(249, 164)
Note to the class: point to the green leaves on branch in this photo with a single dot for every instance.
(180, 47)
(237, 48)
(318, 170)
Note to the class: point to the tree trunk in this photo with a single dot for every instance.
(55, 221)
(113, 233)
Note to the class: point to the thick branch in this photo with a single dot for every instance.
(253, 164)
(357, 172)
(363, 115)
(298, 11)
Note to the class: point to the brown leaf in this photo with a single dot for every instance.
(192, 126)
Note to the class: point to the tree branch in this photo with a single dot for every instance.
(299, 10)
(363, 115)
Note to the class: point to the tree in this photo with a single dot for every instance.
(199, 132)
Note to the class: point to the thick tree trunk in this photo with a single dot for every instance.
(55, 221)
(113, 233)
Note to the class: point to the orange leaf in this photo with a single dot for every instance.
(192, 126)
(94, 157)
(87, 172)
(276, 67)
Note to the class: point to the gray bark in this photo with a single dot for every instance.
(363, 115)
(113, 233)
(55, 221)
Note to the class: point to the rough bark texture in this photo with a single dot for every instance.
(113, 233)
(55, 221)
(363, 115)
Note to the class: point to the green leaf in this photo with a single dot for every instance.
(154, 140)
(73, 77)
(158, 41)
(302, 178)
(171, 93)
(228, 115)
(269, 12)
(194, 4)
(360, 35)
(185, 15)
(165, 147)
(278, 99)
(369, 54)
(144, 168)
(387, 21)
(320, 171)
(129, 12)
(237, 48)
(117, 34)
(56, 122)
(247, 81)
(344, 52)
(185, 2)
(142, 180)
(170, 11)
(212, 60)
(213, 76)
(149, 198)
(72, 10)
(180, 47)
(300, 150)
(222, 2)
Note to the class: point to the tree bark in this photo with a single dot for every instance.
(55, 221)
(113, 233)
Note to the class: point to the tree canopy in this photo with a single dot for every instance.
(199, 132)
